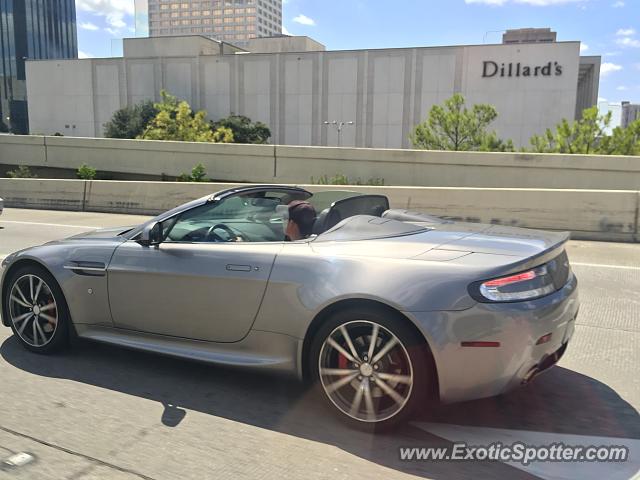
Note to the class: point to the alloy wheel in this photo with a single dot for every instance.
(33, 310)
(366, 371)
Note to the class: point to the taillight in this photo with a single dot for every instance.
(528, 285)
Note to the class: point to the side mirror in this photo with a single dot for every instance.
(151, 235)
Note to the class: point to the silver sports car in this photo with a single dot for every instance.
(383, 311)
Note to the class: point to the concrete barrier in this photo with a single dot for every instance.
(22, 150)
(145, 198)
(244, 163)
(588, 214)
(44, 194)
(150, 160)
(459, 169)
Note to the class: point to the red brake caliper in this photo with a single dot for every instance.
(342, 361)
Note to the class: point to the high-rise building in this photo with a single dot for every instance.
(233, 21)
(33, 30)
(295, 86)
(630, 113)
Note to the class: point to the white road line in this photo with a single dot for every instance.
(49, 224)
(601, 265)
(481, 436)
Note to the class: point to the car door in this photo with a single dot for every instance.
(203, 291)
(204, 286)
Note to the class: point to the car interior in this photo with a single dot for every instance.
(261, 216)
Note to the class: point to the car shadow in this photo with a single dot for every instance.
(560, 401)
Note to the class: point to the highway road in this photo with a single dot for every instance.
(99, 412)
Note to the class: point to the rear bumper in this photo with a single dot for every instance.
(472, 372)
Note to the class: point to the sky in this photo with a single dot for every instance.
(609, 28)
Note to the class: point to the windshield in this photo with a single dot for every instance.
(252, 217)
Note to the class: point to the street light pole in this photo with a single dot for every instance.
(339, 126)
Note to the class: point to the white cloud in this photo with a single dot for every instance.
(626, 38)
(304, 20)
(88, 26)
(82, 54)
(607, 67)
(618, 4)
(537, 3)
(106, 7)
(112, 31)
(622, 88)
(114, 11)
(628, 42)
(116, 20)
(285, 31)
(625, 32)
(601, 99)
(583, 47)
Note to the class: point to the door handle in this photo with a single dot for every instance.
(239, 268)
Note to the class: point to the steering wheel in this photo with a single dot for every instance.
(211, 234)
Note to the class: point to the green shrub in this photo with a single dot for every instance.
(198, 174)
(85, 172)
(21, 172)
(243, 130)
(340, 179)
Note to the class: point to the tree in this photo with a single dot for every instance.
(85, 172)
(176, 121)
(455, 127)
(582, 136)
(622, 141)
(130, 121)
(491, 143)
(244, 130)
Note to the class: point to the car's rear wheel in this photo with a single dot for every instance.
(36, 310)
(371, 367)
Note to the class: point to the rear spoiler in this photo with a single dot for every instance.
(544, 256)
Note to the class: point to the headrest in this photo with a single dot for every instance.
(327, 219)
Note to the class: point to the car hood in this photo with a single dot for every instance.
(102, 233)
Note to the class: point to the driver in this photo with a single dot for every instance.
(302, 215)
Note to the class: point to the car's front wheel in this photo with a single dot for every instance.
(36, 309)
(371, 367)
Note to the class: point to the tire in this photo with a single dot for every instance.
(387, 391)
(40, 325)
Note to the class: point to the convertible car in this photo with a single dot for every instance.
(384, 312)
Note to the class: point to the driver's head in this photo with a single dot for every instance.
(302, 215)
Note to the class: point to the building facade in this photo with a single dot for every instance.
(630, 113)
(234, 21)
(529, 35)
(385, 93)
(30, 29)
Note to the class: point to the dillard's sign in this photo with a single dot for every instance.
(493, 69)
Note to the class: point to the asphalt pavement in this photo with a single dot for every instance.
(100, 412)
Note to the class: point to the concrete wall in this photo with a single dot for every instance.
(283, 44)
(288, 164)
(588, 214)
(384, 92)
